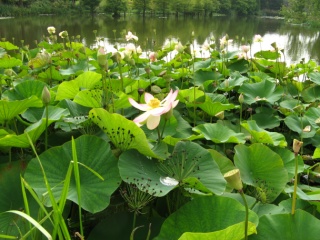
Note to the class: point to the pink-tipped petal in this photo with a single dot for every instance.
(157, 111)
(167, 97)
(148, 97)
(175, 103)
(153, 122)
(141, 118)
(171, 97)
(142, 107)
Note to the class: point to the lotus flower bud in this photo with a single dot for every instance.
(45, 96)
(102, 57)
(155, 89)
(234, 179)
(140, 91)
(241, 98)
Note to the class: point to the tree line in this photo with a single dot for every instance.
(297, 11)
(144, 7)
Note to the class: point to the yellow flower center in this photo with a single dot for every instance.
(154, 103)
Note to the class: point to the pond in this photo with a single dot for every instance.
(297, 41)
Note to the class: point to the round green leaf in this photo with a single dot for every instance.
(262, 91)
(10, 109)
(301, 225)
(25, 89)
(86, 80)
(189, 166)
(234, 232)
(204, 214)
(298, 124)
(92, 152)
(123, 133)
(218, 133)
(262, 136)
(262, 168)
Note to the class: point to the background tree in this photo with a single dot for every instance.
(245, 7)
(91, 4)
(211, 6)
(294, 10)
(141, 6)
(162, 6)
(115, 7)
(225, 6)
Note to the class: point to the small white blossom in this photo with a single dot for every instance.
(257, 38)
(130, 36)
(51, 30)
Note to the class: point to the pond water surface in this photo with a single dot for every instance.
(297, 41)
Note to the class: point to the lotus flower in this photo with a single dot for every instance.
(257, 38)
(130, 36)
(51, 30)
(154, 108)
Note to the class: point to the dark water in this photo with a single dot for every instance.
(298, 41)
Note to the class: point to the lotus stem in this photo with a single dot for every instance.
(247, 214)
(296, 146)
(294, 196)
(46, 131)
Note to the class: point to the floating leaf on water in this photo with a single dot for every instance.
(168, 181)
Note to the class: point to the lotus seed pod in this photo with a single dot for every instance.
(234, 179)
(296, 145)
(220, 115)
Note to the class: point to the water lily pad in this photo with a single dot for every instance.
(262, 136)
(8, 45)
(235, 79)
(7, 62)
(86, 80)
(267, 54)
(218, 133)
(10, 109)
(311, 94)
(89, 98)
(299, 226)
(234, 232)
(262, 91)
(25, 89)
(266, 118)
(123, 133)
(94, 153)
(189, 166)
(212, 108)
(301, 125)
(203, 215)
(34, 131)
(314, 77)
(262, 168)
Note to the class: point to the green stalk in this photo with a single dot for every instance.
(59, 223)
(134, 220)
(247, 214)
(164, 126)
(159, 135)
(25, 200)
(77, 179)
(46, 131)
(294, 196)
(104, 90)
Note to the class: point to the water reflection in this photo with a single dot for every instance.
(298, 42)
